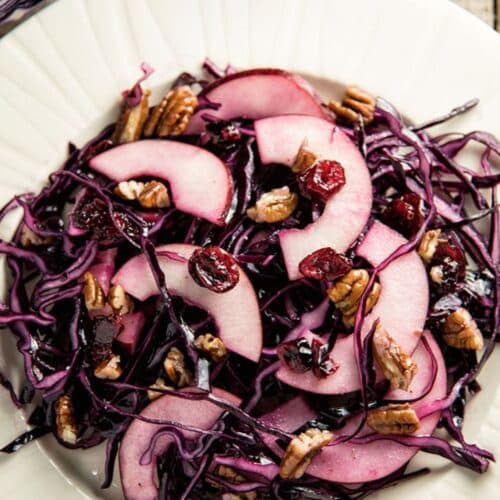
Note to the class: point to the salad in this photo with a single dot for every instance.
(248, 293)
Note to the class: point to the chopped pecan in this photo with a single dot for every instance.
(393, 419)
(154, 195)
(159, 384)
(131, 121)
(175, 368)
(274, 206)
(229, 474)
(346, 293)
(129, 190)
(29, 238)
(92, 292)
(172, 115)
(301, 451)
(461, 331)
(356, 104)
(428, 245)
(120, 302)
(213, 346)
(398, 367)
(66, 426)
(304, 160)
(109, 368)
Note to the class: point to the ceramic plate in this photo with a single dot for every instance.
(61, 74)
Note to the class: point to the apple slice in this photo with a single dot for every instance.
(129, 336)
(258, 93)
(357, 463)
(346, 212)
(139, 481)
(401, 309)
(200, 183)
(236, 312)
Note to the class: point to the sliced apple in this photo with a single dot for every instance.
(200, 183)
(357, 463)
(258, 93)
(236, 312)
(130, 334)
(346, 212)
(139, 480)
(401, 309)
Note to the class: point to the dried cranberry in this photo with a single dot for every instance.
(322, 365)
(325, 264)
(104, 330)
(446, 253)
(324, 178)
(296, 355)
(213, 268)
(405, 214)
(224, 133)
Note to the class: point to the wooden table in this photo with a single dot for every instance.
(486, 10)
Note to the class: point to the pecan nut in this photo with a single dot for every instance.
(301, 450)
(213, 346)
(172, 115)
(356, 105)
(229, 474)
(461, 331)
(393, 419)
(398, 367)
(131, 121)
(176, 370)
(304, 160)
(129, 190)
(119, 300)
(274, 206)
(347, 291)
(159, 384)
(92, 292)
(428, 245)
(66, 426)
(154, 195)
(109, 368)
(29, 238)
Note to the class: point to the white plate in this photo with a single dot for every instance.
(62, 71)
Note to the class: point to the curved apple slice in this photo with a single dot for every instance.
(357, 463)
(236, 312)
(200, 183)
(132, 325)
(138, 481)
(346, 212)
(259, 93)
(401, 308)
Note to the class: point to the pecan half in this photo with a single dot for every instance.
(274, 206)
(66, 426)
(131, 121)
(120, 302)
(154, 195)
(229, 474)
(129, 190)
(159, 384)
(357, 104)
(92, 292)
(301, 451)
(346, 294)
(461, 331)
(213, 346)
(172, 115)
(304, 160)
(428, 245)
(175, 368)
(393, 419)
(109, 368)
(398, 367)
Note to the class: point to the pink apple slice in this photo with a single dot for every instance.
(346, 212)
(401, 309)
(130, 334)
(259, 93)
(357, 463)
(139, 481)
(200, 183)
(236, 312)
